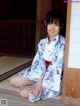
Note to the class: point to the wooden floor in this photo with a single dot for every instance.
(13, 99)
(17, 101)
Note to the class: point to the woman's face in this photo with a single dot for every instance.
(53, 30)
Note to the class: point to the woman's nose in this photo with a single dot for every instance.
(52, 26)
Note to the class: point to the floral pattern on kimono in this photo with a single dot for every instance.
(51, 78)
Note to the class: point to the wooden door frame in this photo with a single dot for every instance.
(66, 98)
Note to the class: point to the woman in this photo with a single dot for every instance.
(44, 79)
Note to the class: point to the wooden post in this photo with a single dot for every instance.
(43, 6)
(71, 83)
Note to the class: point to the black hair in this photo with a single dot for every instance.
(56, 16)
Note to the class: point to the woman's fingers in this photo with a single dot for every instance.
(32, 89)
(36, 92)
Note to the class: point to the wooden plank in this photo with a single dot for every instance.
(73, 85)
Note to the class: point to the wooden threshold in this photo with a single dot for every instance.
(11, 65)
(11, 93)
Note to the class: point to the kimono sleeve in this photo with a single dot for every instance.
(38, 64)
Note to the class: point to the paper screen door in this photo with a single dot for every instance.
(71, 82)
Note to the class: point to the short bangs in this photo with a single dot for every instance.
(54, 16)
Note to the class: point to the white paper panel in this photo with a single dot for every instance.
(75, 22)
(74, 43)
(74, 49)
(75, 35)
(76, 6)
(74, 62)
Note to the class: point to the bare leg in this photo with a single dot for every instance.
(17, 81)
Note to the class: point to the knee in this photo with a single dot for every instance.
(23, 94)
(13, 81)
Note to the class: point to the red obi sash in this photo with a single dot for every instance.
(47, 63)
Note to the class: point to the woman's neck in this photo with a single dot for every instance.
(50, 38)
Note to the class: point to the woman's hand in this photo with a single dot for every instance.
(38, 89)
(35, 89)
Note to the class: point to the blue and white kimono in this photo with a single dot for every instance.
(51, 78)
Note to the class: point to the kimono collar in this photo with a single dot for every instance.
(56, 38)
